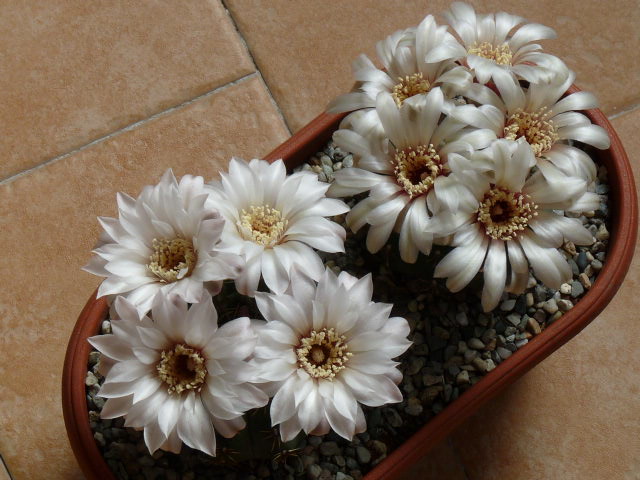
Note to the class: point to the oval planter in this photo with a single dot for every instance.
(310, 139)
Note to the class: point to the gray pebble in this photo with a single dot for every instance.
(462, 378)
(479, 364)
(576, 289)
(540, 294)
(429, 379)
(584, 280)
(91, 379)
(550, 306)
(603, 233)
(329, 448)
(575, 270)
(94, 358)
(514, 319)
(461, 319)
(314, 440)
(582, 261)
(475, 343)
(343, 476)
(328, 172)
(392, 417)
(565, 305)
(314, 471)
(414, 407)
(364, 456)
(529, 299)
(507, 305)
(469, 355)
(415, 365)
(503, 352)
(533, 326)
(99, 438)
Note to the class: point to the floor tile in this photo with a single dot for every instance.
(73, 71)
(575, 416)
(48, 223)
(304, 49)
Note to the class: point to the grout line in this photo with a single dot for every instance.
(626, 110)
(5, 474)
(266, 86)
(127, 128)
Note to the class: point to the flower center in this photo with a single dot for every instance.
(409, 86)
(263, 225)
(504, 213)
(501, 54)
(538, 131)
(182, 368)
(323, 353)
(416, 169)
(172, 260)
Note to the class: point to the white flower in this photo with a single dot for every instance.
(515, 224)
(410, 171)
(165, 240)
(487, 46)
(274, 220)
(405, 71)
(179, 377)
(539, 115)
(327, 348)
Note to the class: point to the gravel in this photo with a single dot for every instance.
(454, 345)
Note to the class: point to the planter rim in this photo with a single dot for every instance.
(309, 140)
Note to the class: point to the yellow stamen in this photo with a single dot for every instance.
(504, 214)
(538, 131)
(409, 86)
(263, 225)
(172, 260)
(323, 353)
(182, 368)
(417, 168)
(501, 54)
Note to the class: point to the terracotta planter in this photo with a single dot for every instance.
(624, 220)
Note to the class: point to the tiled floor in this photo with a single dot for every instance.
(101, 97)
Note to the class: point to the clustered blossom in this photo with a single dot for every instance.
(275, 221)
(179, 377)
(465, 138)
(167, 240)
(325, 349)
(488, 166)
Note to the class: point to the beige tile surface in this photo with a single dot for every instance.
(304, 48)
(48, 223)
(73, 71)
(576, 415)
